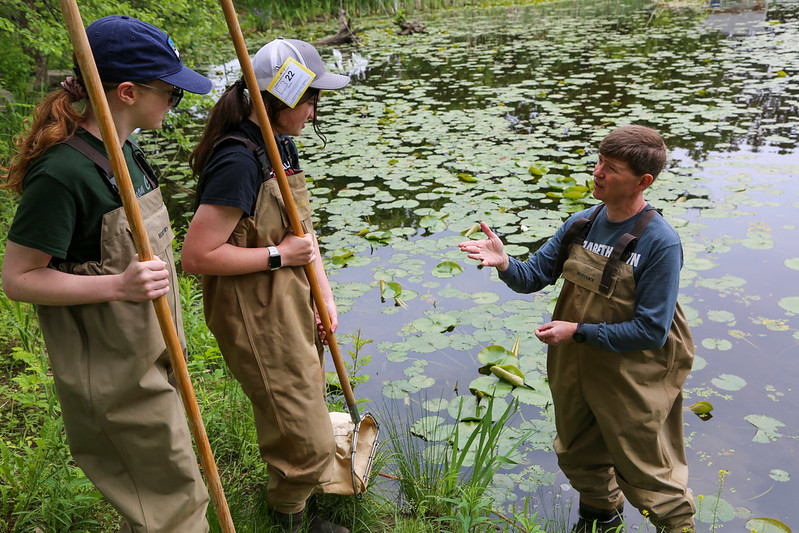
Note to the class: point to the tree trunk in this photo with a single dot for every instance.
(345, 33)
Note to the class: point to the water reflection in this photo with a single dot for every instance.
(737, 18)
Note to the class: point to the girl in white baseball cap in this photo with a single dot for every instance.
(257, 299)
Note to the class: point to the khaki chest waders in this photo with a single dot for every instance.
(619, 415)
(265, 325)
(125, 423)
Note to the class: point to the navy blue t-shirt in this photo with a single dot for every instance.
(232, 177)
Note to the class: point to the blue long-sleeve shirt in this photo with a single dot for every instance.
(656, 261)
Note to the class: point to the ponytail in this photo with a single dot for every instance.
(55, 119)
(232, 108)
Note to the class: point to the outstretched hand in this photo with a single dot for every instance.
(489, 251)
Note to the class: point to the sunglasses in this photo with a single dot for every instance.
(175, 95)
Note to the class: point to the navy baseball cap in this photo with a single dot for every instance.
(127, 49)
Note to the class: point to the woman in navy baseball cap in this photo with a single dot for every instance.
(70, 252)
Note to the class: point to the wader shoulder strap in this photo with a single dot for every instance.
(144, 165)
(98, 159)
(624, 247)
(104, 164)
(575, 234)
(257, 151)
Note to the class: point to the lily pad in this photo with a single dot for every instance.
(717, 344)
(729, 382)
(702, 408)
(486, 386)
(531, 396)
(431, 428)
(767, 525)
(790, 304)
(496, 355)
(447, 269)
(779, 475)
(713, 509)
(766, 428)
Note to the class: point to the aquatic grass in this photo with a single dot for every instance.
(447, 481)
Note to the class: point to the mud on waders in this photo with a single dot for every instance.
(349, 471)
(91, 78)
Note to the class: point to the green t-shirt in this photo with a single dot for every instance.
(64, 198)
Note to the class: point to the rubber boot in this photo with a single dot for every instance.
(593, 520)
(320, 525)
(289, 523)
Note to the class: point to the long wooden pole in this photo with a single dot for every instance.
(91, 78)
(291, 208)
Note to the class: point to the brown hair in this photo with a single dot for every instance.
(640, 147)
(55, 119)
(232, 108)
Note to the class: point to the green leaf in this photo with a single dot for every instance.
(779, 475)
(390, 290)
(792, 263)
(712, 509)
(509, 373)
(767, 525)
(702, 407)
(532, 397)
(717, 344)
(489, 386)
(791, 304)
(536, 171)
(447, 269)
(495, 355)
(431, 428)
(766, 428)
(729, 382)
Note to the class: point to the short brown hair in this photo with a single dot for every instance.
(640, 147)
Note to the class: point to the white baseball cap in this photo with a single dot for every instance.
(271, 56)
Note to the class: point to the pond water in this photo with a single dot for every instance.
(495, 115)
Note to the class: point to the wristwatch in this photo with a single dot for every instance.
(274, 258)
(579, 336)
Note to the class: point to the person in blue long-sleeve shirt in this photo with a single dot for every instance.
(619, 347)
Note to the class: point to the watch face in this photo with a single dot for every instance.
(274, 258)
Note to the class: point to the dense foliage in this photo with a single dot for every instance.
(34, 39)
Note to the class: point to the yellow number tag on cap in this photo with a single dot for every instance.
(291, 82)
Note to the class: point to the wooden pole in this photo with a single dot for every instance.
(288, 200)
(94, 87)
